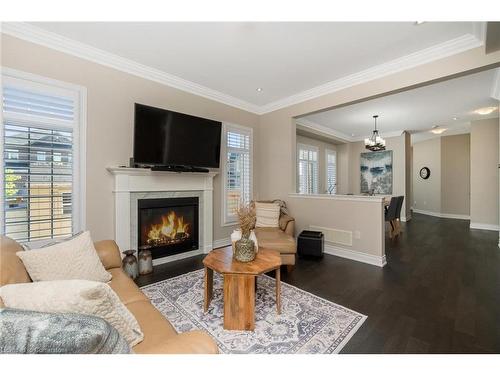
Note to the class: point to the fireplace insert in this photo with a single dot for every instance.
(168, 226)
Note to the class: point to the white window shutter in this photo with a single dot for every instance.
(307, 169)
(237, 169)
(331, 171)
(38, 161)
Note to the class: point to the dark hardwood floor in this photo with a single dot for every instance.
(439, 293)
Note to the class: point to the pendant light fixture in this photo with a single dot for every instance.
(375, 142)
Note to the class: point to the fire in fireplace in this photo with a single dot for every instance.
(168, 226)
(172, 229)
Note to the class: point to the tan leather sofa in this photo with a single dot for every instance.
(159, 335)
(281, 239)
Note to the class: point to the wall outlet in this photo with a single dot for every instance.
(425, 203)
(357, 234)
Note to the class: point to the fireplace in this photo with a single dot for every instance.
(167, 226)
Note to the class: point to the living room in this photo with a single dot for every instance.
(211, 210)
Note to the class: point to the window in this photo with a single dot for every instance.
(42, 170)
(237, 169)
(331, 171)
(307, 169)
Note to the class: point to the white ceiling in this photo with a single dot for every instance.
(284, 59)
(415, 110)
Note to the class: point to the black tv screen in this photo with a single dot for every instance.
(171, 138)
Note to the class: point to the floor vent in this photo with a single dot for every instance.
(337, 236)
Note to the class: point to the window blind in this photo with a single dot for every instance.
(237, 170)
(331, 171)
(38, 163)
(307, 169)
(37, 105)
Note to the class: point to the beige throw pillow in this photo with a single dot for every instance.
(74, 296)
(73, 259)
(267, 214)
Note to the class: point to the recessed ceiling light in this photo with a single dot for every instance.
(353, 135)
(419, 22)
(259, 89)
(485, 110)
(437, 130)
(455, 118)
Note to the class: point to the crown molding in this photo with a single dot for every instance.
(439, 51)
(479, 31)
(495, 87)
(425, 135)
(314, 126)
(311, 125)
(57, 42)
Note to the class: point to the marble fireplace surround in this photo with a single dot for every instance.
(132, 184)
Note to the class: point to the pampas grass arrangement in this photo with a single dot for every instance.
(246, 218)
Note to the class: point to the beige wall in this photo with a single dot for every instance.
(363, 217)
(455, 174)
(322, 147)
(427, 193)
(408, 175)
(343, 152)
(452, 157)
(447, 191)
(484, 147)
(110, 106)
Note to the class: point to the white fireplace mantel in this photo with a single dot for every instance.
(138, 180)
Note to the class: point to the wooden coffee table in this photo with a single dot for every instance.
(239, 284)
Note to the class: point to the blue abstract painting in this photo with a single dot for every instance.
(376, 172)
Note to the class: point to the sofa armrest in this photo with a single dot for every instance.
(287, 224)
(194, 342)
(109, 253)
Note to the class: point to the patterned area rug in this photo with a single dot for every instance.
(307, 324)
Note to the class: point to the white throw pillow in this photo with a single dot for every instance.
(73, 259)
(74, 296)
(267, 214)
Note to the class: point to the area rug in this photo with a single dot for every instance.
(307, 323)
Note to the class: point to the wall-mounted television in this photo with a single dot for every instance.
(168, 138)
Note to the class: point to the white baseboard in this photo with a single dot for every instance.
(221, 243)
(355, 255)
(441, 215)
(429, 213)
(485, 226)
(455, 216)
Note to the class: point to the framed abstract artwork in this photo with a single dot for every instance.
(376, 172)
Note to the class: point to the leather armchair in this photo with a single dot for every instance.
(287, 225)
(281, 239)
